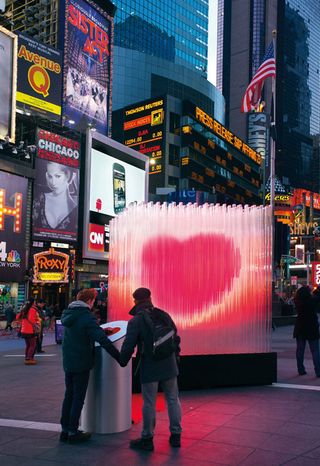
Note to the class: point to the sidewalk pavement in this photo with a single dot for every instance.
(270, 425)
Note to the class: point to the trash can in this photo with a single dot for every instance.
(58, 331)
(107, 406)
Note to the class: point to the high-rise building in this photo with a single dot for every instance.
(161, 48)
(244, 32)
(175, 30)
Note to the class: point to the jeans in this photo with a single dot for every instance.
(30, 346)
(39, 340)
(76, 388)
(149, 395)
(314, 348)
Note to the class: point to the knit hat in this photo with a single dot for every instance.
(141, 293)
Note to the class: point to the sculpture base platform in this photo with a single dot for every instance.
(222, 370)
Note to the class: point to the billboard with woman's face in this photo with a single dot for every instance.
(56, 188)
(8, 81)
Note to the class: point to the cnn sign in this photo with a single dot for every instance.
(316, 273)
(96, 238)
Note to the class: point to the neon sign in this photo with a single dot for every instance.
(51, 266)
(227, 135)
(315, 273)
(14, 212)
(302, 228)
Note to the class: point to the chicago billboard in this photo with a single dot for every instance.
(56, 187)
(39, 78)
(88, 35)
(8, 73)
(13, 213)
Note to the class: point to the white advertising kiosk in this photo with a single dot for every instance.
(107, 406)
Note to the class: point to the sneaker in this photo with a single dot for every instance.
(175, 440)
(302, 372)
(79, 436)
(41, 351)
(64, 436)
(142, 444)
(30, 362)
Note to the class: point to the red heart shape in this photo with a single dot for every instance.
(200, 268)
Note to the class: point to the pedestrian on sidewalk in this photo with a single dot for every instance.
(10, 316)
(41, 305)
(306, 328)
(30, 328)
(153, 371)
(81, 331)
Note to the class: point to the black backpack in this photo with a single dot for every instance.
(164, 333)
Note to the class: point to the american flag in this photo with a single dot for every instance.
(252, 96)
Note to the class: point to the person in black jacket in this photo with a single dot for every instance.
(41, 305)
(306, 328)
(81, 331)
(152, 372)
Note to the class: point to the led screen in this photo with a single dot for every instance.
(115, 178)
(13, 214)
(114, 184)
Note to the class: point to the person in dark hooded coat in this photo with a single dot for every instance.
(306, 328)
(81, 331)
(152, 372)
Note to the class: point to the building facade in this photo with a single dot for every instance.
(190, 151)
(244, 32)
(176, 31)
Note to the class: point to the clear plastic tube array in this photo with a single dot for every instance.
(209, 266)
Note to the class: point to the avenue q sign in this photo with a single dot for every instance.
(50, 267)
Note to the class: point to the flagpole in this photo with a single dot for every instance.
(272, 159)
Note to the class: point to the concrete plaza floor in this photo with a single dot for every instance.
(256, 426)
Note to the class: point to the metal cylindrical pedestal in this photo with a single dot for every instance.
(107, 406)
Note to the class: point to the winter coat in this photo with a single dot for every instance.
(138, 334)
(306, 325)
(27, 323)
(81, 331)
(10, 314)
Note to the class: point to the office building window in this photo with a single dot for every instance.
(174, 155)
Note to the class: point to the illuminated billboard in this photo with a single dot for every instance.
(315, 273)
(301, 196)
(56, 187)
(87, 42)
(143, 129)
(207, 165)
(116, 177)
(51, 267)
(13, 214)
(221, 131)
(39, 78)
(8, 81)
(258, 133)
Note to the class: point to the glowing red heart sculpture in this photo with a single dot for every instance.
(200, 268)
